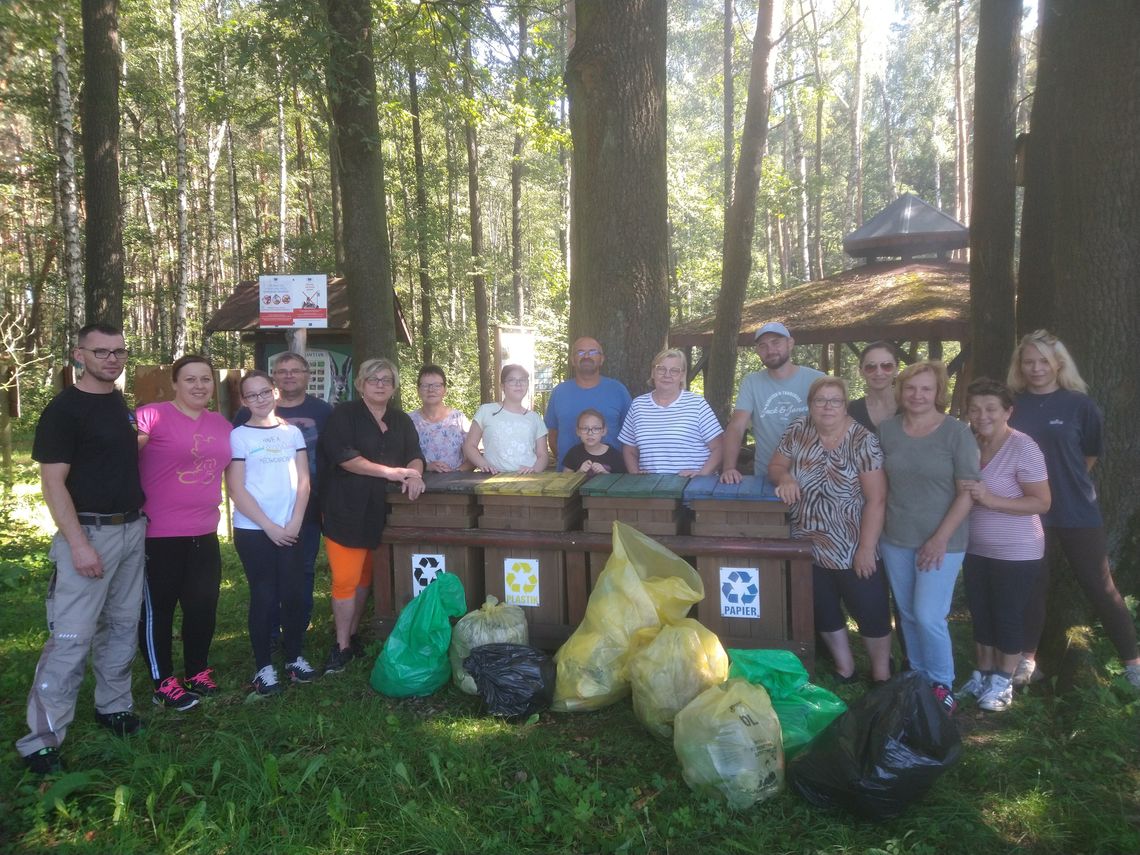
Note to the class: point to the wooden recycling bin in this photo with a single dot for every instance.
(448, 502)
(535, 579)
(756, 602)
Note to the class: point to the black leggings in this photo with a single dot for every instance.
(1087, 552)
(186, 572)
(276, 576)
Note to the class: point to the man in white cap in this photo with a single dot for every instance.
(768, 400)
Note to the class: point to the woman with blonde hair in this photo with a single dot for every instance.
(671, 430)
(365, 444)
(1052, 407)
(929, 458)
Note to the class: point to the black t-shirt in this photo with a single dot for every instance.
(94, 434)
(353, 506)
(577, 455)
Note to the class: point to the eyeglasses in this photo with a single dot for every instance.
(591, 430)
(665, 371)
(879, 366)
(517, 381)
(380, 381)
(258, 396)
(289, 372)
(431, 387)
(105, 353)
(593, 351)
(829, 403)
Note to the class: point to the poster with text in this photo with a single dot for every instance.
(293, 301)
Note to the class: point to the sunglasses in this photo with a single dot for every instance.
(879, 366)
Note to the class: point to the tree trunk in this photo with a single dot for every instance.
(352, 102)
(68, 194)
(421, 215)
(1080, 248)
(816, 271)
(103, 269)
(992, 223)
(729, 108)
(855, 179)
(235, 222)
(282, 172)
(182, 283)
(517, 171)
(478, 280)
(619, 264)
(960, 160)
(563, 154)
(742, 217)
(803, 215)
(215, 140)
(889, 142)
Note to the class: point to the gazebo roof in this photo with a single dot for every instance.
(901, 301)
(241, 310)
(907, 227)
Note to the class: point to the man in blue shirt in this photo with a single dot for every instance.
(586, 389)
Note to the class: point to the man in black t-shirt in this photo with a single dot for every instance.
(87, 448)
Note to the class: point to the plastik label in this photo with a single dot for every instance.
(521, 582)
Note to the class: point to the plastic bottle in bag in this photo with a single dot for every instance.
(491, 623)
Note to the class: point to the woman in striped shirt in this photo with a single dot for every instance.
(1003, 563)
(671, 430)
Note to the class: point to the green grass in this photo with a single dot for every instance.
(335, 767)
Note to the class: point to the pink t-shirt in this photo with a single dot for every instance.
(996, 534)
(181, 469)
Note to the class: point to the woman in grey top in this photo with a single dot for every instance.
(929, 458)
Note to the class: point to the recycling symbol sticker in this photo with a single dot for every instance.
(520, 581)
(425, 568)
(740, 592)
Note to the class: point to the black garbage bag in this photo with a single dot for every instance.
(513, 680)
(881, 755)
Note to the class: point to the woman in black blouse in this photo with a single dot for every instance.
(366, 444)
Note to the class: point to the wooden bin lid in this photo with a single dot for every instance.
(553, 484)
(635, 486)
(445, 482)
(751, 488)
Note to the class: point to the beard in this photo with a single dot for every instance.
(774, 362)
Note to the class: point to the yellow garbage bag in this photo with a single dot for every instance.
(643, 585)
(728, 742)
(491, 623)
(671, 666)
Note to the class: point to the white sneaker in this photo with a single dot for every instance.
(1132, 674)
(975, 687)
(1023, 676)
(998, 695)
(265, 681)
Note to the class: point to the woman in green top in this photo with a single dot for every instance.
(929, 458)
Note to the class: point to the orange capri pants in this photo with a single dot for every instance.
(351, 569)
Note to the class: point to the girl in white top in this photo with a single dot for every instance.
(513, 436)
(268, 481)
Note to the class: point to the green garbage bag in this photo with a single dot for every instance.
(414, 658)
(804, 709)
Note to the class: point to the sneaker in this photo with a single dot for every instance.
(975, 687)
(998, 695)
(202, 683)
(300, 671)
(122, 723)
(337, 660)
(171, 695)
(265, 681)
(44, 762)
(1132, 674)
(945, 697)
(1027, 672)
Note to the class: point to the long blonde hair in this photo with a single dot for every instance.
(1055, 353)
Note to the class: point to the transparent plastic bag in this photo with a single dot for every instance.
(643, 585)
(491, 623)
(728, 742)
(671, 666)
(414, 658)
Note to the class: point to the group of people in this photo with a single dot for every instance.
(893, 493)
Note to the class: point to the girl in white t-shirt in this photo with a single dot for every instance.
(513, 436)
(268, 481)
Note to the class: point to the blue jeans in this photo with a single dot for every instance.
(923, 598)
(310, 546)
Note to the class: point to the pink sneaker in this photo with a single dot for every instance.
(171, 695)
(202, 683)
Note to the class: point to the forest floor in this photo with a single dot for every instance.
(335, 767)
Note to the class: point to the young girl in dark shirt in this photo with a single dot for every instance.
(591, 455)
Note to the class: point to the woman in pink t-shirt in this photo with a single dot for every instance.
(183, 451)
(1003, 563)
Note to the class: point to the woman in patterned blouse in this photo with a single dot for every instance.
(829, 469)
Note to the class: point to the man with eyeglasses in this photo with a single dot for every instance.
(768, 400)
(86, 445)
(587, 389)
(308, 414)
